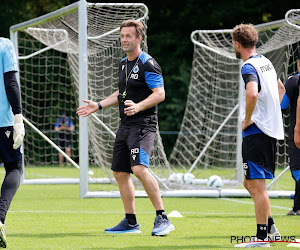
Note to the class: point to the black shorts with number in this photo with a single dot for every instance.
(64, 139)
(132, 147)
(258, 152)
(7, 152)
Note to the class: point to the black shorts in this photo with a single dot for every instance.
(7, 152)
(294, 156)
(258, 153)
(64, 140)
(132, 147)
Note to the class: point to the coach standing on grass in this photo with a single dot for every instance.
(11, 130)
(262, 126)
(290, 99)
(141, 88)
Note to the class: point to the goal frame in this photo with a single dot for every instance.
(80, 6)
(239, 170)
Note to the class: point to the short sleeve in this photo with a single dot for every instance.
(9, 58)
(153, 74)
(249, 74)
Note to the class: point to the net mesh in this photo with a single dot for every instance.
(207, 142)
(214, 94)
(50, 86)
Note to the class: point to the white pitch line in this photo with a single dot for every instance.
(121, 212)
(251, 202)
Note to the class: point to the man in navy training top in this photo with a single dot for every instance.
(141, 88)
(261, 125)
(12, 130)
(64, 126)
(290, 99)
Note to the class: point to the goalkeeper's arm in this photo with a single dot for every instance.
(14, 98)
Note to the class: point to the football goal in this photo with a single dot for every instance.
(73, 54)
(210, 136)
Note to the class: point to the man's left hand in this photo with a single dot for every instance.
(19, 131)
(132, 108)
(246, 124)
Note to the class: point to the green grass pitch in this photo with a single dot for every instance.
(53, 217)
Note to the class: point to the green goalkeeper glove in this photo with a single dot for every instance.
(19, 131)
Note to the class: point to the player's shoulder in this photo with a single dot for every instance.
(123, 60)
(4, 42)
(292, 80)
(68, 119)
(149, 63)
(248, 68)
(145, 57)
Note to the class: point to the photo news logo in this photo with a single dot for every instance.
(279, 239)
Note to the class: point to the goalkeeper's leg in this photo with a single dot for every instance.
(9, 188)
(10, 185)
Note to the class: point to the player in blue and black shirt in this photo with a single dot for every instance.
(290, 99)
(141, 88)
(11, 130)
(64, 126)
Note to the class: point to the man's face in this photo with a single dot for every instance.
(129, 40)
(236, 50)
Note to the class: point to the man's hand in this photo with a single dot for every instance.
(297, 137)
(86, 110)
(246, 124)
(19, 131)
(132, 108)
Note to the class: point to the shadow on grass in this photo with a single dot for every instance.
(228, 216)
(87, 235)
(169, 247)
(51, 235)
(199, 246)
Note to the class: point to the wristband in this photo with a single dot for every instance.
(99, 105)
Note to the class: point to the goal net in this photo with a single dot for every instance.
(57, 58)
(48, 51)
(210, 137)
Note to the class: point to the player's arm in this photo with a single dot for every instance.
(297, 126)
(155, 82)
(92, 107)
(251, 100)
(71, 128)
(252, 86)
(281, 90)
(289, 93)
(13, 95)
(157, 96)
(13, 91)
